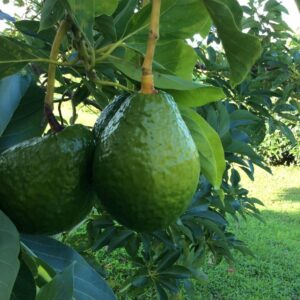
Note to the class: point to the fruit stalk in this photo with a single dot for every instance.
(48, 103)
(147, 75)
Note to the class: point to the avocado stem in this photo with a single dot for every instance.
(61, 32)
(147, 74)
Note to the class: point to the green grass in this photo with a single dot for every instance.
(275, 271)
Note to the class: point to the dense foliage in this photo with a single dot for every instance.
(256, 77)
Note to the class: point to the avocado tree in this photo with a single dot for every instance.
(98, 54)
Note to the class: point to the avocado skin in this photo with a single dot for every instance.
(45, 183)
(146, 165)
(106, 114)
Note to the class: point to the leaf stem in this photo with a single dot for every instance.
(147, 76)
(48, 103)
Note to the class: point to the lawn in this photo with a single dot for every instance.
(275, 271)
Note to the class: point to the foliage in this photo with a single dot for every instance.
(101, 58)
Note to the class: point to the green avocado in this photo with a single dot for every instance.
(45, 183)
(146, 165)
(107, 113)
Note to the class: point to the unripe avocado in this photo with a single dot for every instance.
(146, 165)
(45, 183)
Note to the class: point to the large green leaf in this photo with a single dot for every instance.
(27, 120)
(52, 11)
(24, 288)
(130, 65)
(9, 251)
(198, 97)
(83, 15)
(180, 61)
(105, 7)
(298, 4)
(174, 25)
(60, 287)
(88, 284)
(242, 50)
(14, 55)
(209, 146)
(12, 89)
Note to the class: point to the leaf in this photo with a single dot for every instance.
(198, 97)
(125, 11)
(105, 7)
(9, 251)
(172, 24)
(209, 146)
(83, 15)
(177, 272)
(131, 67)
(24, 287)
(242, 50)
(60, 287)
(119, 239)
(12, 89)
(180, 61)
(242, 148)
(52, 11)
(27, 120)
(14, 55)
(298, 4)
(88, 284)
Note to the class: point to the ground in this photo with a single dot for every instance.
(275, 271)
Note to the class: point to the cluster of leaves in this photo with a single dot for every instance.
(271, 90)
(100, 58)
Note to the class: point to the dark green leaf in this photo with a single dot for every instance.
(14, 55)
(52, 11)
(12, 89)
(87, 282)
(177, 272)
(168, 260)
(105, 7)
(242, 50)
(9, 251)
(119, 239)
(24, 288)
(173, 25)
(83, 14)
(27, 120)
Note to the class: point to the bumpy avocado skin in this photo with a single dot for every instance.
(45, 183)
(146, 165)
(106, 115)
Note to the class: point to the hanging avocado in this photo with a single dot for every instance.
(146, 165)
(45, 183)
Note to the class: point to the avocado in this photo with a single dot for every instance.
(45, 182)
(146, 165)
(107, 114)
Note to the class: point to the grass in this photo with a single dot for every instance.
(275, 271)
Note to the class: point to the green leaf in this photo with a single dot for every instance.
(52, 11)
(88, 284)
(9, 251)
(198, 97)
(130, 65)
(180, 61)
(242, 148)
(27, 120)
(14, 55)
(105, 7)
(125, 11)
(172, 24)
(209, 146)
(24, 288)
(83, 15)
(242, 50)
(12, 89)
(298, 4)
(60, 287)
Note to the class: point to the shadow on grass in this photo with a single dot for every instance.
(290, 194)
